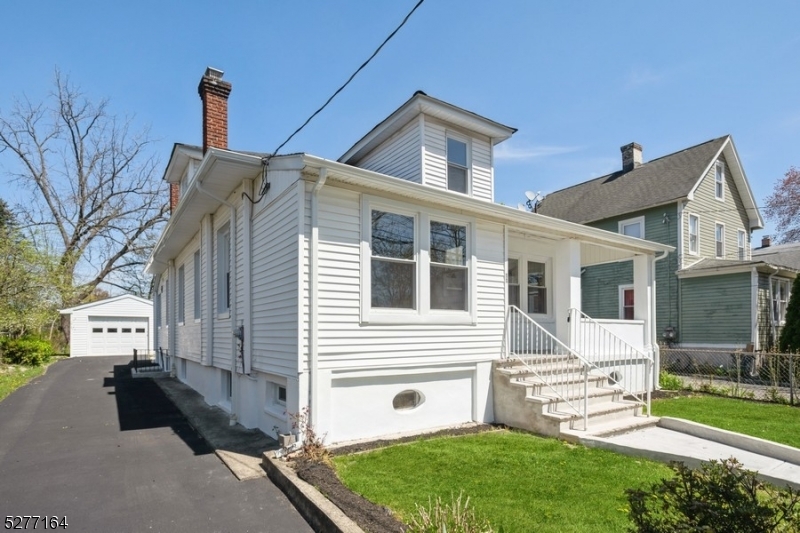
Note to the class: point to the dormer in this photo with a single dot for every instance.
(183, 163)
(434, 143)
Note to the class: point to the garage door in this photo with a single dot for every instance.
(117, 335)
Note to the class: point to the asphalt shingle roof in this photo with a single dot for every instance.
(785, 255)
(656, 182)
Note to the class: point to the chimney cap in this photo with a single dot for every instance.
(634, 145)
(214, 73)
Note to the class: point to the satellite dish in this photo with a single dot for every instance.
(521, 207)
(531, 195)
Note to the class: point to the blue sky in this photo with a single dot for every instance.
(578, 79)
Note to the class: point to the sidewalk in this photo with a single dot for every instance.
(691, 443)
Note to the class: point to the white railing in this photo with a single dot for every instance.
(555, 366)
(624, 365)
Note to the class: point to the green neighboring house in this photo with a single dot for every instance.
(711, 292)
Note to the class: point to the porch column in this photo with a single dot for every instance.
(566, 284)
(644, 296)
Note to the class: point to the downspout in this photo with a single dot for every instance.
(313, 345)
(233, 317)
(653, 328)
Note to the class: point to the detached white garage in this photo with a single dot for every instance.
(114, 326)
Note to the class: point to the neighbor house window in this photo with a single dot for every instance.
(196, 275)
(224, 269)
(513, 282)
(741, 245)
(780, 297)
(537, 288)
(694, 226)
(182, 294)
(719, 181)
(449, 271)
(393, 264)
(632, 227)
(719, 238)
(457, 166)
(626, 303)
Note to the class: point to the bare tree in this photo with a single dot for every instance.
(95, 200)
(783, 206)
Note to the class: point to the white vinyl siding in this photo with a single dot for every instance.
(399, 156)
(224, 282)
(182, 294)
(188, 334)
(196, 285)
(435, 160)
(274, 288)
(222, 343)
(344, 342)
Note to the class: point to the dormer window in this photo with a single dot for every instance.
(719, 181)
(457, 167)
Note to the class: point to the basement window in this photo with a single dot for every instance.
(408, 400)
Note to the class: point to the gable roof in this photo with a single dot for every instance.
(422, 103)
(661, 181)
(105, 301)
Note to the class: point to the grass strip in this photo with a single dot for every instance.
(769, 421)
(518, 481)
(13, 377)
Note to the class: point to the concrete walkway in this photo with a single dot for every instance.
(691, 443)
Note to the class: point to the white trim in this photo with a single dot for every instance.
(719, 180)
(630, 222)
(621, 300)
(754, 338)
(422, 313)
(679, 245)
(697, 234)
(467, 141)
(741, 245)
(103, 302)
(717, 241)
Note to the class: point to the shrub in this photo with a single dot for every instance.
(720, 496)
(669, 381)
(456, 517)
(28, 351)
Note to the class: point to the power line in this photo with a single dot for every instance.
(353, 75)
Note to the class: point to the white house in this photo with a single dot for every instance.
(114, 326)
(377, 290)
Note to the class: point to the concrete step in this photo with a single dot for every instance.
(598, 414)
(610, 428)
(555, 401)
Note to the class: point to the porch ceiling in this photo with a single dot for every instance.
(594, 254)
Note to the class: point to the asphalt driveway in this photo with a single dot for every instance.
(112, 453)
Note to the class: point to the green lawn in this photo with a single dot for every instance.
(518, 481)
(769, 421)
(13, 377)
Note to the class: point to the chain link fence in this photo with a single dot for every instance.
(765, 376)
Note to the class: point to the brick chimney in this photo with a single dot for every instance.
(214, 92)
(631, 156)
(766, 241)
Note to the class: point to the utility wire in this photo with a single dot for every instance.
(353, 75)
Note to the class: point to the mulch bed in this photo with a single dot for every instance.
(369, 516)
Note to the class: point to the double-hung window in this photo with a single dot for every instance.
(224, 269)
(513, 282)
(694, 235)
(780, 298)
(632, 227)
(417, 265)
(741, 245)
(182, 294)
(448, 270)
(719, 239)
(719, 181)
(393, 266)
(626, 302)
(457, 165)
(197, 279)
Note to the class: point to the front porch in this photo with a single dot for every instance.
(562, 373)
